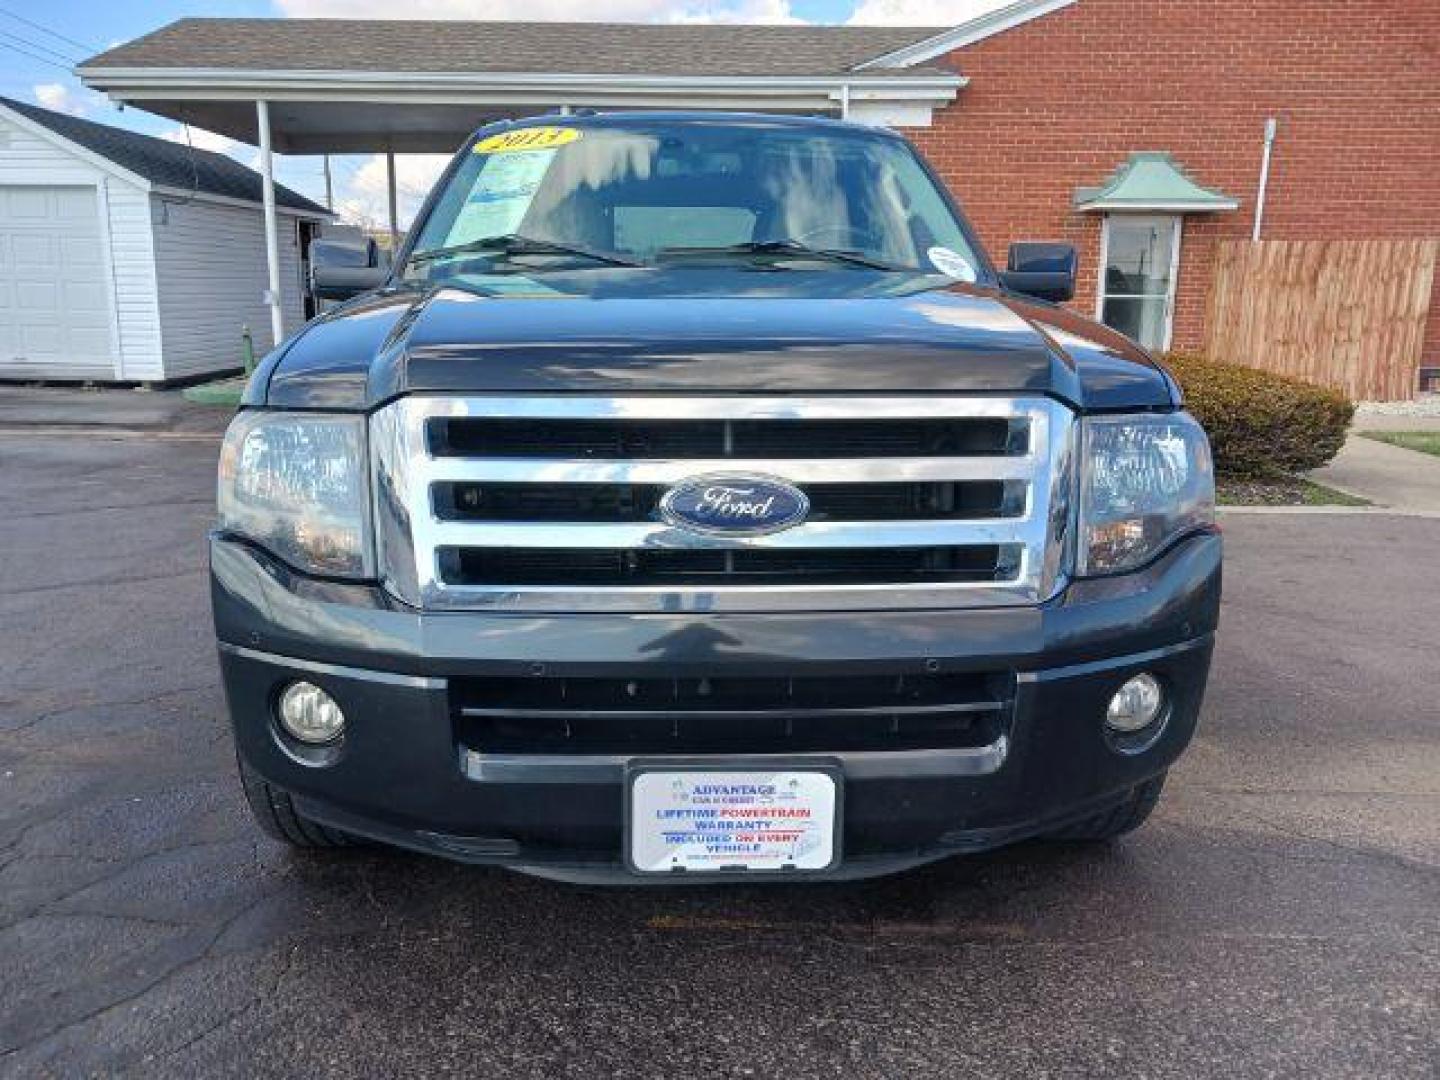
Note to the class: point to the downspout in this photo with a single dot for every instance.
(845, 101)
(1270, 126)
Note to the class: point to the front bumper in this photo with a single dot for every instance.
(402, 775)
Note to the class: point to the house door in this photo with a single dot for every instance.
(1139, 257)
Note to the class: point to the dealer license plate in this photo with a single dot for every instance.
(721, 820)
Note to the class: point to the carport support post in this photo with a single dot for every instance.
(394, 217)
(272, 242)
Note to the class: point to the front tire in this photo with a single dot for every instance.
(274, 811)
(1126, 817)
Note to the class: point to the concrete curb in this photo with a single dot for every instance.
(1386, 475)
(1343, 511)
(93, 411)
(94, 431)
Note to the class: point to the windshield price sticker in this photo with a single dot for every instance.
(502, 194)
(532, 138)
(715, 821)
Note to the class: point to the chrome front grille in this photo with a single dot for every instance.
(550, 503)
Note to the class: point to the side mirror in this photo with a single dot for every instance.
(340, 269)
(1042, 270)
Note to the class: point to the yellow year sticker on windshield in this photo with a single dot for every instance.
(532, 138)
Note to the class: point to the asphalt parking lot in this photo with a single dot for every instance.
(1280, 916)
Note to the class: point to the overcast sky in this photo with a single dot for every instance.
(41, 39)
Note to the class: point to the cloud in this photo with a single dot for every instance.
(495, 10)
(867, 12)
(363, 194)
(201, 139)
(920, 12)
(62, 98)
(707, 11)
(737, 11)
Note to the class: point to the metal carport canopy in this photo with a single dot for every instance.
(353, 112)
(367, 86)
(329, 86)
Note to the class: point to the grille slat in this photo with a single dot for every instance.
(551, 502)
(695, 567)
(672, 471)
(619, 439)
(856, 535)
(467, 500)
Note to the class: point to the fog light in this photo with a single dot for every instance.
(1136, 704)
(310, 714)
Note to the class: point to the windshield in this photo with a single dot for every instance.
(667, 191)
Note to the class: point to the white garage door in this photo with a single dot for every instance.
(54, 301)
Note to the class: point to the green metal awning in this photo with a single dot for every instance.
(1152, 180)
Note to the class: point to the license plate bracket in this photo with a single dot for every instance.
(731, 818)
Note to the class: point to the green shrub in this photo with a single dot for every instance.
(1261, 424)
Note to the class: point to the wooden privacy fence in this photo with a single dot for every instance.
(1344, 313)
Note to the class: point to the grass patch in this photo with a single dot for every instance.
(223, 393)
(1427, 442)
(1280, 491)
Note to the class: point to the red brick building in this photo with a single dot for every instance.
(1161, 105)
(1059, 102)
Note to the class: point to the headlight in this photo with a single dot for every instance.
(1146, 481)
(294, 483)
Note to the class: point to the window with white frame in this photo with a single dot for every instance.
(1139, 259)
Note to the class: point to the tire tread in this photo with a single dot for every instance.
(1123, 818)
(274, 811)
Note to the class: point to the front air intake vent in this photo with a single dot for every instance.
(717, 715)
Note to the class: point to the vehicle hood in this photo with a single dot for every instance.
(738, 332)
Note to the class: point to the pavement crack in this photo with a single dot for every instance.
(195, 956)
(233, 1015)
(148, 699)
(1310, 793)
(148, 507)
(106, 582)
(50, 908)
(82, 913)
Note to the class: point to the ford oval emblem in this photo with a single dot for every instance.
(732, 504)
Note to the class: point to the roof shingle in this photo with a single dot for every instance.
(507, 47)
(161, 161)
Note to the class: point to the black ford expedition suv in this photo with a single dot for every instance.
(694, 501)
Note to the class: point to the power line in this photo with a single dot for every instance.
(27, 43)
(47, 30)
(35, 56)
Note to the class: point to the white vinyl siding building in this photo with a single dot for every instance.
(107, 275)
(210, 272)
